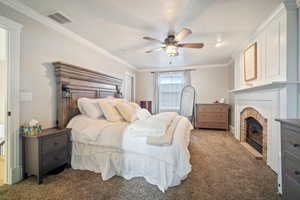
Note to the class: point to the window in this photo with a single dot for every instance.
(170, 86)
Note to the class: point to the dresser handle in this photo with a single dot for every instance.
(55, 143)
(297, 172)
(56, 158)
(296, 145)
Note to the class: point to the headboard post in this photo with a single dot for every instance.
(75, 82)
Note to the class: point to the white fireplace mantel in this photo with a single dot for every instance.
(270, 85)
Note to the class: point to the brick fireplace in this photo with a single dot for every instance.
(253, 130)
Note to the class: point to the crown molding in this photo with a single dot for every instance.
(193, 67)
(9, 24)
(29, 12)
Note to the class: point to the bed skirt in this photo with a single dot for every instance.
(111, 161)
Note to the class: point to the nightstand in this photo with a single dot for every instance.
(46, 152)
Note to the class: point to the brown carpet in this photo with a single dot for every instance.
(222, 169)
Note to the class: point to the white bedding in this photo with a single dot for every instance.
(107, 148)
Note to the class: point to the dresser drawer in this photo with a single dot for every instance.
(292, 189)
(218, 125)
(292, 142)
(54, 143)
(212, 117)
(292, 167)
(54, 159)
(212, 108)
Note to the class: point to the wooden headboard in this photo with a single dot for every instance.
(75, 82)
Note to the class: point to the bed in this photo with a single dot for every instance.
(108, 147)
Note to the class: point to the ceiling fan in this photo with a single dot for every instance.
(171, 43)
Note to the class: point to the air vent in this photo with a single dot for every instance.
(59, 18)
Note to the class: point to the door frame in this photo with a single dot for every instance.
(131, 75)
(13, 171)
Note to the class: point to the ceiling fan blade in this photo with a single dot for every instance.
(183, 34)
(152, 50)
(152, 39)
(191, 45)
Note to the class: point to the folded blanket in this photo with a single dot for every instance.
(156, 125)
(167, 138)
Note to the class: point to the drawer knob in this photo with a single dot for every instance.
(56, 158)
(55, 143)
(296, 145)
(297, 172)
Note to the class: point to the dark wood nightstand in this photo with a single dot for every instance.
(46, 151)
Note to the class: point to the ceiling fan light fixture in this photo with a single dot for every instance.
(219, 44)
(171, 50)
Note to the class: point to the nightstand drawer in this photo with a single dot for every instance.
(213, 117)
(54, 159)
(54, 143)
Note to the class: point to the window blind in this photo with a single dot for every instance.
(170, 87)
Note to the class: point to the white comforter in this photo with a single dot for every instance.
(163, 166)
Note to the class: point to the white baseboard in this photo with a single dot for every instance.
(15, 175)
(232, 129)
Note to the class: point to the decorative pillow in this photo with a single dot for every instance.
(110, 111)
(128, 111)
(143, 114)
(90, 108)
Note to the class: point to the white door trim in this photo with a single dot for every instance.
(131, 75)
(12, 123)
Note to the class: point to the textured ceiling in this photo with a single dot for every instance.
(118, 26)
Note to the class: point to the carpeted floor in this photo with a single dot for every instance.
(222, 169)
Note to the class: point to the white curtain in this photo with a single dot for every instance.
(187, 77)
(155, 108)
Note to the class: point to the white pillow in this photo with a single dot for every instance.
(135, 105)
(128, 111)
(143, 114)
(110, 111)
(90, 108)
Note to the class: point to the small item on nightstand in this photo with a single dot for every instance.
(32, 128)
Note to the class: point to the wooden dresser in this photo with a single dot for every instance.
(290, 152)
(214, 116)
(45, 152)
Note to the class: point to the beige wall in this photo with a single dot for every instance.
(211, 83)
(40, 46)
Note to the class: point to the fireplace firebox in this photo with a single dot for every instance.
(254, 134)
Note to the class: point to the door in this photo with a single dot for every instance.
(3, 104)
(129, 87)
